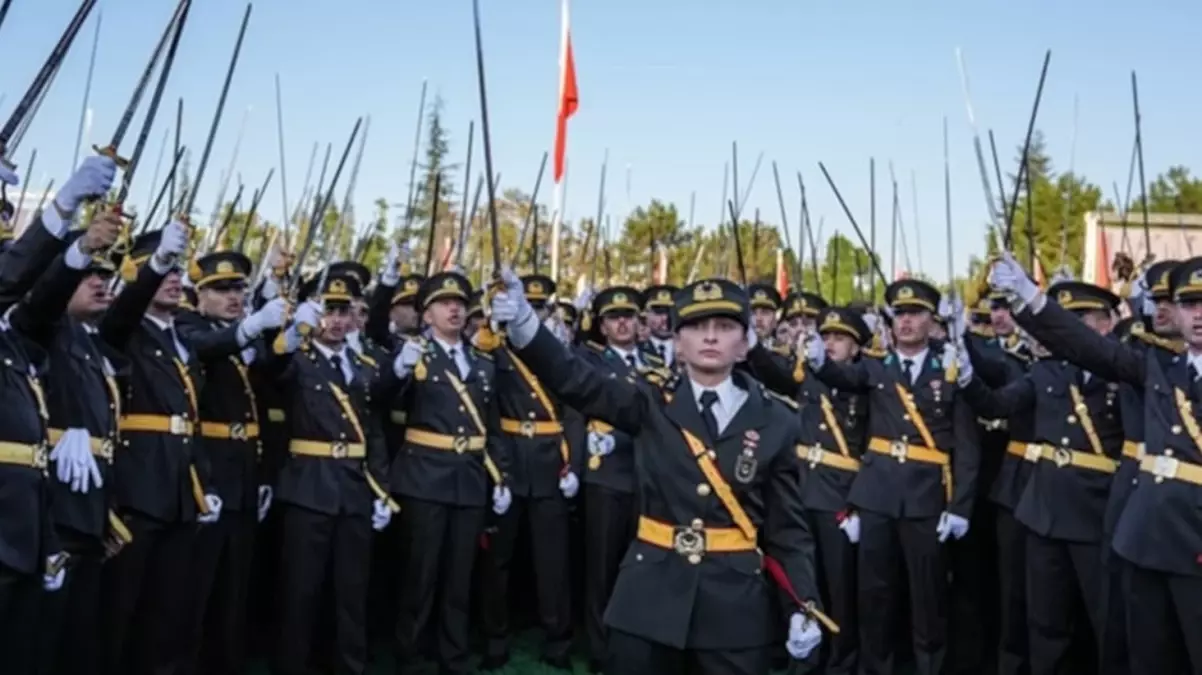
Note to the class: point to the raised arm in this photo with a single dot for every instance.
(773, 371)
(1066, 336)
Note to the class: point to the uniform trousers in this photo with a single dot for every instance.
(897, 553)
(1116, 657)
(1164, 621)
(633, 655)
(1012, 652)
(144, 598)
(1062, 577)
(318, 547)
(221, 567)
(547, 519)
(440, 548)
(19, 603)
(837, 578)
(609, 527)
(973, 611)
(69, 628)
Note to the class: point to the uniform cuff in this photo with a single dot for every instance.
(75, 258)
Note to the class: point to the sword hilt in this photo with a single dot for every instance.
(111, 152)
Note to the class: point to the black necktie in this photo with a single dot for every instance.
(908, 370)
(1193, 372)
(660, 348)
(630, 360)
(336, 361)
(708, 398)
(454, 354)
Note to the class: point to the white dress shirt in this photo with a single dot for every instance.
(170, 325)
(627, 354)
(344, 363)
(459, 357)
(918, 361)
(665, 348)
(1195, 359)
(730, 399)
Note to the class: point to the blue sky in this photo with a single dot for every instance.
(665, 85)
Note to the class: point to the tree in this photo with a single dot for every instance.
(435, 171)
(1175, 191)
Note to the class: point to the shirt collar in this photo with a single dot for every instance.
(725, 390)
(163, 325)
(624, 353)
(918, 359)
(329, 352)
(447, 346)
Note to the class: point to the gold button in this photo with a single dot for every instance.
(712, 454)
(1072, 419)
(822, 426)
(1176, 428)
(703, 490)
(694, 559)
(698, 524)
(1168, 453)
(531, 415)
(185, 440)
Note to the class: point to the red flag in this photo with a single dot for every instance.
(569, 98)
(782, 274)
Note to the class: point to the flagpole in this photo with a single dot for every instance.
(566, 106)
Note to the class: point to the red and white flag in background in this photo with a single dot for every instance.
(569, 100)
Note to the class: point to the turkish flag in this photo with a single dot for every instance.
(569, 97)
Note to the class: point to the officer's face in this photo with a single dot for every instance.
(840, 347)
(641, 330)
(1189, 322)
(169, 293)
(447, 316)
(783, 334)
(657, 323)
(1001, 320)
(1165, 319)
(619, 328)
(335, 324)
(91, 297)
(912, 327)
(1102, 322)
(764, 320)
(223, 303)
(359, 313)
(711, 345)
(938, 331)
(404, 317)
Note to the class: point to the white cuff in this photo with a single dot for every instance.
(1037, 303)
(54, 223)
(523, 331)
(160, 268)
(75, 258)
(241, 334)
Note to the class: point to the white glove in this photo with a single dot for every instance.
(308, 314)
(851, 527)
(270, 290)
(93, 179)
(74, 463)
(354, 341)
(8, 176)
(266, 494)
(804, 636)
(584, 297)
(501, 498)
(600, 444)
(964, 377)
(381, 515)
(511, 307)
(815, 352)
(951, 525)
(390, 272)
(569, 484)
(410, 354)
(1008, 276)
(85, 470)
(54, 582)
(214, 514)
(271, 315)
(173, 243)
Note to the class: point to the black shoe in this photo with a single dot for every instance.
(494, 662)
(562, 662)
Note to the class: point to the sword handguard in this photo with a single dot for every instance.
(111, 152)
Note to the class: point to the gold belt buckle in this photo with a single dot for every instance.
(177, 425)
(460, 444)
(814, 455)
(40, 456)
(1165, 467)
(527, 429)
(689, 542)
(339, 450)
(106, 449)
(898, 451)
(1062, 457)
(1033, 452)
(237, 431)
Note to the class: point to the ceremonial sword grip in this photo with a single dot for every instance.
(111, 152)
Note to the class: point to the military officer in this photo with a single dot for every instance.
(226, 344)
(765, 305)
(569, 317)
(658, 303)
(450, 469)
(800, 309)
(917, 482)
(1156, 533)
(833, 435)
(333, 487)
(542, 480)
(691, 596)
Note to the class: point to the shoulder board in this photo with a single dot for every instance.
(368, 360)
(595, 346)
(783, 350)
(1174, 346)
(981, 331)
(874, 353)
(480, 353)
(783, 399)
(658, 373)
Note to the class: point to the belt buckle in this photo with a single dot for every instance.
(527, 429)
(106, 449)
(237, 431)
(1165, 467)
(339, 450)
(177, 425)
(814, 455)
(1033, 452)
(898, 451)
(40, 456)
(459, 445)
(689, 542)
(1062, 457)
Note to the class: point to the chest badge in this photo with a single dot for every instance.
(937, 389)
(747, 464)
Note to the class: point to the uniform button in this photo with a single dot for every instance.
(1168, 453)
(156, 353)
(461, 409)
(1064, 442)
(905, 439)
(906, 418)
(343, 416)
(531, 414)
(638, 557)
(698, 524)
(317, 387)
(822, 426)
(533, 395)
(694, 559)
(341, 436)
(87, 357)
(459, 430)
(703, 490)
(712, 454)
(186, 439)
(1176, 429)
(1072, 419)
(1049, 390)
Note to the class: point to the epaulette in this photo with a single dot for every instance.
(368, 360)
(1148, 337)
(480, 353)
(981, 331)
(595, 346)
(783, 350)
(874, 353)
(660, 374)
(783, 399)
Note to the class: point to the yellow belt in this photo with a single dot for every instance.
(1133, 450)
(1030, 452)
(230, 431)
(815, 455)
(331, 449)
(1063, 457)
(1164, 467)
(531, 428)
(459, 444)
(695, 540)
(176, 425)
(903, 451)
(23, 454)
(101, 447)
